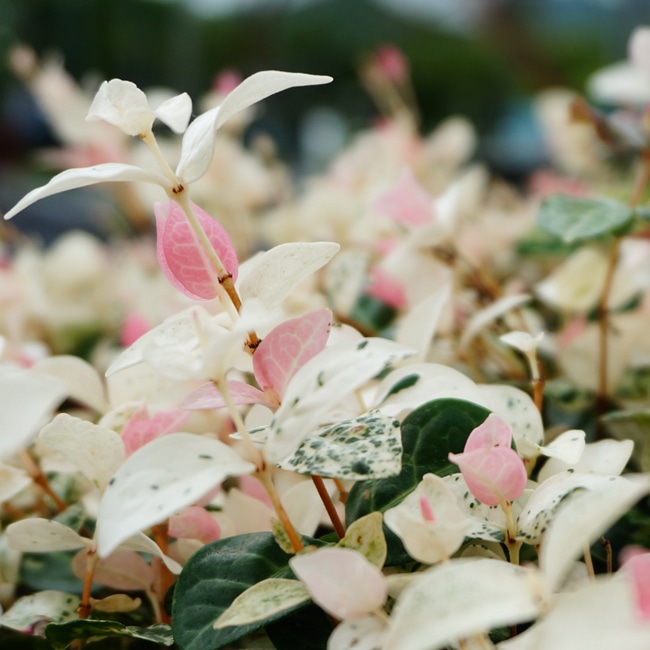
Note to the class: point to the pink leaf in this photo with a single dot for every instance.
(493, 475)
(387, 288)
(636, 563)
(134, 326)
(288, 347)
(141, 428)
(207, 396)
(341, 581)
(194, 523)
(406, 201)
(121, 570)
(493, 432)
(181, 257)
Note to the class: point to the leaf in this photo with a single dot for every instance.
(82, 382)
(263, 600)
(307, 628)
(164, 476)
(37, 535)
(582, 518)
(121, 571)
(95, 451)
(367, 633)
(367, 447)
(37, 395)
(271, 276)
(46, 605)
(429, 433)
(198, 142)
(574, 219)
(12, 481)
(341, 581)
(289, 346)
(182, 257)
(212, 578)
(366, 536)
(63, 635)
(71, 179)
(321, 384)
(458, 599)
(208, 396)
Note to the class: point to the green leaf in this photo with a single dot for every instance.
(62, 635)
(366, 447)
(211, 580)
(262, 601)
(575, 219)
(429, 433)
(307, 629)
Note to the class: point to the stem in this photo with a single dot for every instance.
(538, 393)
(608, 553)
(165, 577)
(589, 563)
(264, 476)
(343, 493)
(41, 480)
(329, 506)
(511, 533)
(91, 563)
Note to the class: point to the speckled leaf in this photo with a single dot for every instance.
(48, 605)
(540, 508)
(322, 383)
(37, 535)
(574, 219)
(271, 276)
(366, 535)
(263, 600)
(213, 577)
(429, 433)
(367, 447)
(157, 480)
(365, 633)
(62, 635)
(95, 451)
(458, 599)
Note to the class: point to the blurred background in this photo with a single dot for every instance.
(482, 59)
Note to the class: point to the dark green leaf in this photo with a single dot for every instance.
(429, 433)
(42, 571)
(62, 635)
(372, 313)
(575, 219)
(14, 641)
(213, 577)
(307, 629)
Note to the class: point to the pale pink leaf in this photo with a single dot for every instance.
(134, 326)
(492, 475)
(141, 428)
(493, 432)
(386, 288)
(288, 347)
(122, 570)
(341, 581)
(194, 523)
(406, 201)
(207, 396)
(181, 257)
(636, 564)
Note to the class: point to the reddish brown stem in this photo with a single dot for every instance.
(343, 493)
(84, 608)
(41, 480)
(329, 506)
(165, 577)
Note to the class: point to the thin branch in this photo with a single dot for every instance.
(329, 506)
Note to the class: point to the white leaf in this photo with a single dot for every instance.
(95, 451)
(48, 606)
(36, 395)
(533, 521)
(304, 507)
(567, 447)
(271, 276)
(81, 379)
(12, 481)
(175, 112)
(143, 544)
(73, 178)
(263, 600)
(198, 143)
(162, 477)
(460, 598)
(323, 382)
(122, 104)
(365, 633)
(368, 447)
(38, 535)
(583, 518)
(518, 409)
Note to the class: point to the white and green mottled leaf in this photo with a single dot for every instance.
(262, 600)
(368, 447)
(162, 477)
(48, 605)
(366, 535)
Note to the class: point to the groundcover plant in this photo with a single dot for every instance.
(417, 419)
